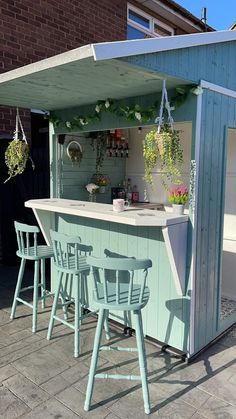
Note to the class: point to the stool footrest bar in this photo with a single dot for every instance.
(117, 348)
(24, 302)
(118, 376)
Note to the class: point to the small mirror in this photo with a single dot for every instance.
(74, 152)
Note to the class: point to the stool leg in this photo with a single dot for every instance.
(18, 287)
(142, 360)
(43, 283)
(77, 316)
(63, 300)
(54, 306)
(94, 360)
(106, 326)
(35, 296)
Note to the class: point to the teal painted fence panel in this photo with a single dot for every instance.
(218, 112)
(164, 315)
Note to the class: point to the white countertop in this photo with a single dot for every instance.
(131, 216)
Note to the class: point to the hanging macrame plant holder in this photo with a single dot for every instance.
(17, 153)
(160, 120)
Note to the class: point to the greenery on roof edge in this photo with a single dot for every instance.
(133, 113)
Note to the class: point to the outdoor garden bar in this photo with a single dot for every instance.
(102, 101)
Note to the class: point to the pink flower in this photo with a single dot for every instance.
(178, 195)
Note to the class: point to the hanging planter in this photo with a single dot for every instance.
(18, 152)
(163, 146)
(74, 152)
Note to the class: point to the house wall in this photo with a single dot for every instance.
(31, 31)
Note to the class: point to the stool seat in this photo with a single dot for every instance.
(125, 301)
(30, 253)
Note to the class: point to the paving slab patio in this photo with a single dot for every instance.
(41, 379)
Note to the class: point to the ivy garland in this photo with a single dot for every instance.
(133, 113)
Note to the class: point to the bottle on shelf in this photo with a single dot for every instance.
(129, 191)
(135, 194)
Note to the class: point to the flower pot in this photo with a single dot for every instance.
(178, 209)
(102, 189)
(92, 197)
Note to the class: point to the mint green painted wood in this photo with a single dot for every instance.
(129, 241)
(110, 121)
(73, 177)
(207, 62)
(218, 112)
(70, 259)
(27, 234)
(116, 288)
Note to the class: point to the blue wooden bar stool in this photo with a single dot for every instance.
(70, 261)
(28, 249)
(116, 289)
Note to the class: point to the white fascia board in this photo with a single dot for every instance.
(218, 89)
(51, 62)
(120, 49)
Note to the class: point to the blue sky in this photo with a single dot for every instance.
(220, 13)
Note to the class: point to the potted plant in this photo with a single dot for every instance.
(163, 147)
(102, 181)
(92, 189)
(16, 156)
(178, 197)
(17, 153)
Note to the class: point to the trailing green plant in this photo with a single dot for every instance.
(16, 157)
(98, 143)
(165, 148)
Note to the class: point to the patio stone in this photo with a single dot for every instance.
(55, 384)
(10, 406)
(40, 366)
(107, 391)
(218, 409)
(221, 387)
(6, 372)
(74, 399)
(41, 379)
(51, 409)
(27, 391)
(27, 349)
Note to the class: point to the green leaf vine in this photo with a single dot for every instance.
(98, 143)
(133, 113)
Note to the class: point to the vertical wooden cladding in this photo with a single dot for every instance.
(215, 63)
(218, 112)
(165, 318)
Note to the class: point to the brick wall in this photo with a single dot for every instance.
(31, 30)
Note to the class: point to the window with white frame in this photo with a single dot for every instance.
(142, 25)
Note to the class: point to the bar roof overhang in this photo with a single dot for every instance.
(97, 71)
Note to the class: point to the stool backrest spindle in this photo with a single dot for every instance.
(26, 234)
